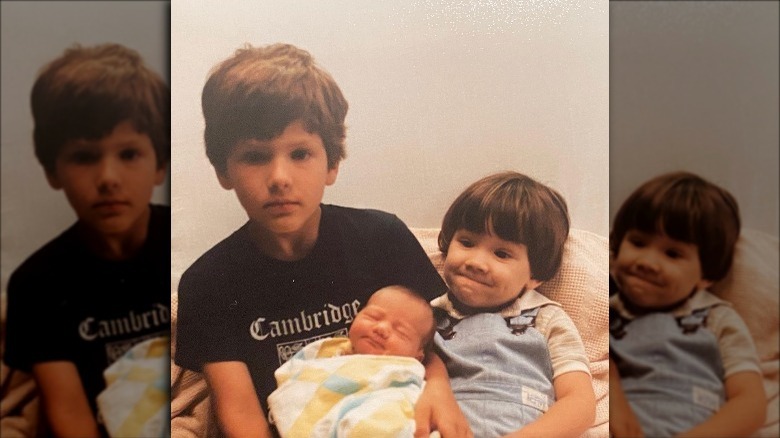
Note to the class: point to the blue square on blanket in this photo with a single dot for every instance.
(341, 385)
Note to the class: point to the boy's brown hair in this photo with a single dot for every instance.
(259, 91)
(515, 208)
(87, 91)
(688, 208)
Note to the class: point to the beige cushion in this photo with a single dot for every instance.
(753, 288)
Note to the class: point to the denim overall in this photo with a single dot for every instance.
(499, 369)
(670, 369)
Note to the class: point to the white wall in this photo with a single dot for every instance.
(440, 94)
(34, 33)
(694, 86)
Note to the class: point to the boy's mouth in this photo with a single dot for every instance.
(110, 204)
(281, 206)
(653, 281)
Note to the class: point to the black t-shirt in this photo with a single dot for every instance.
(235, 304)
(66, 303)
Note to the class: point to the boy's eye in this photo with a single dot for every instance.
(673, 254)
(129, 154)
(254, 157)
(502, 254)
(465, 242)
(300, 154)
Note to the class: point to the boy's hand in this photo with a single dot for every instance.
(622, 420)
(437, 409)
(623, 423)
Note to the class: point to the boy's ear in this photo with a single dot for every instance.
(532, 284)
(159, 177)
(224, 180)
(703, 284)
(54, 182)
(332, 174)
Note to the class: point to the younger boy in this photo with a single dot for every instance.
(298, 270)
(102, 135)
(377, 368)
(682, 362)
(516, 361)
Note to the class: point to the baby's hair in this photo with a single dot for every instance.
(515, 208)
(259, 91)
(427, 340)
(687, 208)
(87, 91)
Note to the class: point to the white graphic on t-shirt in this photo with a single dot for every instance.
(286, 350)
(261, 329)
(115, 350)
(91, 328)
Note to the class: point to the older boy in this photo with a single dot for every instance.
(102, 135)
(298, 271)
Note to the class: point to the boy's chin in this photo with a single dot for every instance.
(112, 227)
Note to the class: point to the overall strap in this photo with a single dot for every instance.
(690, 323)
(445, 324)
(520, 323)
(617, 324)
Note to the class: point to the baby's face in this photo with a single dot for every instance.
(654, 270)
(483, 270)
(390, 324)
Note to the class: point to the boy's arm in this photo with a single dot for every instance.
(64, 402)
(437, 409)
(572, 413)
(743, 413)
(622, 420)
(235, 400)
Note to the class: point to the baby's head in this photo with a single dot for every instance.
(674, 234)
(395, 321)
(504, 234)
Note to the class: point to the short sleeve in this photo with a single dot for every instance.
(34, 312)
(737, 349)
(204, 330)
(567, 352)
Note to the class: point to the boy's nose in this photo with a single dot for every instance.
(279, 175)
(647, 263)
(108, 174)
(476, 263)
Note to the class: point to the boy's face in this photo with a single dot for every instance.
(390, 324)
(484, 270)
(653, 270)
(280, 182)
(109, 181)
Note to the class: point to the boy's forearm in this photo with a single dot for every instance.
(572, 413)
(743, 413)
(235, 402)
(64, 401)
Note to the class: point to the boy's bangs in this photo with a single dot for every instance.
(493, 214)
(90, 115)
(672, 214)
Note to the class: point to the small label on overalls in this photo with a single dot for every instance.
(534, 398)
(706, 398)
